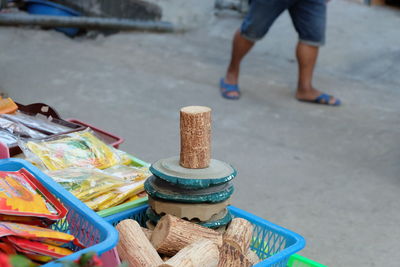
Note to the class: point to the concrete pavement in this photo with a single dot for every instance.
(330, 174)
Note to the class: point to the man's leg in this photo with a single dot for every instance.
(309, 19)
(240, 47)
(261, 16)
(307, 58)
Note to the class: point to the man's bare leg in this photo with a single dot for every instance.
(240, 47)
(307, 58)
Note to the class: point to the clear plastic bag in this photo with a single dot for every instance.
(7, 138)
(123, 193)
(37, 122)
(85, 184)
(125, 157)
(128, 173)
(18, 129)
(97, 202)
(78, 149)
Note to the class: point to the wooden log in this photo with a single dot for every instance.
(199, 254)
(173, 234)
(134, 247)
(239, 234)
(165, 258)
(147, 232)
(195, 129)
(150, 225)
(252, 257)
(231, 257)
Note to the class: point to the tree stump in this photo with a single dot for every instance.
(239, 234)
(173, 234)
(199, 254)
(134, 247)
(195, 129)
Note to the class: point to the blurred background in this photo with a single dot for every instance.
(329, 174)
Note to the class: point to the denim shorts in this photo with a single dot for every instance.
(308, 17)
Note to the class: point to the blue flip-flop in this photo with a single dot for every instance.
(324, 100)
(226, 88)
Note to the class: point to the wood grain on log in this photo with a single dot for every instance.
(239, 234)
(172, 234)
(134, 247)
(147, 232)
(231, 257)
(252, 257)
(195, 129)
(198, 254)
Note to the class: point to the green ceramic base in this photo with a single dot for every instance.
(159, 188)
(218, 220)
(217, 173)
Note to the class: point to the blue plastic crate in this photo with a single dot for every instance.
(272, 243)
(93, 231)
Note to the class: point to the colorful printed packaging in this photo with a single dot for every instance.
(78, 149)
(85, 184)
(123, 193)
(39, 251)
(22, 196)
(35, 233)
(128, 173)
(99, 201)
(7, 248)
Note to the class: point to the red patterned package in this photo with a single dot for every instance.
(24, 199)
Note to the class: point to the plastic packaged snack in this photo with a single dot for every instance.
(85, 184)
(30, 220)
(35, 233)
(124, 157)
(136, 197)
(97, 202)
(128, 173)
(7, 248)
(37, 249)
(18, 129)
(22, 196)
(78, 149)
(37, 121)
(7, 138)
(123, 193)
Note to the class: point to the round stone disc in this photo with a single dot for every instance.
(159, 188)
(221, 219)
(217, 173)
(189, 211)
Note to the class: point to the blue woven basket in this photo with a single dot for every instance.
(95, 233)
(272, 243)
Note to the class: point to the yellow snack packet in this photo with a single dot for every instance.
(128, 173)
(78, 149)
(86, 184)
(123, 193)
(125, 157)
(136, 197)
(96, 202)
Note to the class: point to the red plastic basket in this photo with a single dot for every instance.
(107, 137)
